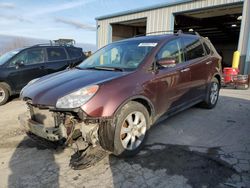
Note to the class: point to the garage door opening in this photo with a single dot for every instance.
(128, 29)
(221, 25)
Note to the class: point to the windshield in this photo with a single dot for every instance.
(127, 55)
(5, 57)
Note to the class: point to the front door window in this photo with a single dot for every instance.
(29, 57)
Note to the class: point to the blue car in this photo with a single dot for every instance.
(20, 66)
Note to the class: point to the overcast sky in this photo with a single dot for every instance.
(52, 19)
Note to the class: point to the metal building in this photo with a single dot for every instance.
(225, 22)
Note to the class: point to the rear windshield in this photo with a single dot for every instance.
(5, 57)
(126, 55)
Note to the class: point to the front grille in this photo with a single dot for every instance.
(42, 116)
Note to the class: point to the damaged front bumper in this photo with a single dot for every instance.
(48, 133)
(63, 126)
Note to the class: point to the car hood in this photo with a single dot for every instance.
(46, 90)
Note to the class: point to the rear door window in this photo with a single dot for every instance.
(74, 53)
(56, 54)
(172, 50)
(193, 48)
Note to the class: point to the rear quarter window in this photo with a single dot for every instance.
(193, 48)
(74, 53)
(212, 48)
(207, 48)
(56, 54)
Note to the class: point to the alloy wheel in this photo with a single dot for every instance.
(2, 95)
(133, 130)
(214, 92)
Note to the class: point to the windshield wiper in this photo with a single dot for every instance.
(109, 68)
(102, 68)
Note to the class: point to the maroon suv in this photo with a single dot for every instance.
(117, 94)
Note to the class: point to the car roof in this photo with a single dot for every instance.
(155, 37)
(149, 37)
(50, 46)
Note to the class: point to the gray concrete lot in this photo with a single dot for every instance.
(195, 148)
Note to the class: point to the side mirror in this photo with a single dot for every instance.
(19, 64)
(167, 62)
(70, 66)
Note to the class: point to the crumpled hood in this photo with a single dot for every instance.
(48, 89)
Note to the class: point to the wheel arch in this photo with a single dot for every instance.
(106, 133)
(218, 77)
(142, 100)
(7, 86)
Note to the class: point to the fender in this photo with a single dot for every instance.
(112, 124)
(134, 98)
(218, 76)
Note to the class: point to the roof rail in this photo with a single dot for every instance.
(161, 32)
(43, 44)
(179, 32)
(196, 33)
(193, 32)
(58, 42)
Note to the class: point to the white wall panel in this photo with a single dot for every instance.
(157, 19)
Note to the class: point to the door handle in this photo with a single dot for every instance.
(42, 67)
(209, 62)
(185, 70)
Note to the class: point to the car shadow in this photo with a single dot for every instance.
(13, 98)
(33, 165)
(169, 158)
(166, 165)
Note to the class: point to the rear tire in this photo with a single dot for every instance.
(131, 125)
(212, 94)
(4, 94)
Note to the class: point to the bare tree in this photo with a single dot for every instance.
(16, 42)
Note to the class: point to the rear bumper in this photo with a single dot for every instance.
(51, 134)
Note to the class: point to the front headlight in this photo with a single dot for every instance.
(77, 98)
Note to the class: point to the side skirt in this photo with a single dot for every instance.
(178, 109)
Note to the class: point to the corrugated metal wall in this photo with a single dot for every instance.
(157, 19)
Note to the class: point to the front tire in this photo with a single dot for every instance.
(212, 94)
(4, 94)
(131, 129)
(131, 125)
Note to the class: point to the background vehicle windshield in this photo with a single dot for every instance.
(123, 55)
(5, 57)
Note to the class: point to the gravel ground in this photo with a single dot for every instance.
(195, 148)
